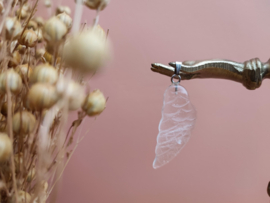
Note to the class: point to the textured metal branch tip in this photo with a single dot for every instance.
(173, 64)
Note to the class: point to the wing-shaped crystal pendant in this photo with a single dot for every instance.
(178, 119)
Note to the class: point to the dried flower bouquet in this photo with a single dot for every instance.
(43, 64)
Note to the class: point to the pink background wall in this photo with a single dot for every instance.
(228, 157)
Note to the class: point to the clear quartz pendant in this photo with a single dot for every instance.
(178, 119)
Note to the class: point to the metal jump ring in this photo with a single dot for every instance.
(179, 79)
(177, 73)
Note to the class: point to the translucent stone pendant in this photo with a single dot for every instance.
(178, 119)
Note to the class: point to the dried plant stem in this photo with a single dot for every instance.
(62, 171)
(96, 18)
(77, 16)
(12, 11)
(61, 139)
(9, 102)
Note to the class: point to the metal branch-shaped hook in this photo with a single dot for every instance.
(250, 73)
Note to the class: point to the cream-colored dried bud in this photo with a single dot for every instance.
(25, 71)
(96, 4)
(42, 96)
(26, 6)
(22, 13)
(12, 80)
(40, 52)
(23, 197)
(44, 73)
(31, 174)
(13, 28)
(5, 147)
(29, 38)
(21, 48)
(74, 92)
(13, 45)
(66, 19)
(39, 21)
(2, 8)
(54, 30)
(63, 9)
(4, 108)
(86, 52)
(32, 25)
(23, 122)
(48, 3)
(50, 59)
(39, 35)
(94, 103)
(16, 59)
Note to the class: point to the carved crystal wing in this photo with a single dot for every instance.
(178, 119)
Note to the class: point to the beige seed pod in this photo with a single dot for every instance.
(21, 48)
(66, 19)
(13, 45)
(49, 58)
(39, 35)
(42, 96)
(23, 197)
(13, 28)
(96, 4)
(63, 9)
(54, 30)
(32, 25)
(12, 80)
(40, 52)
(23, 122)
(4, 108)
(26, 6)
(16, 59)
(24, 71)
(5, 147)
(22, 14)
(74, 92)
(42, 197)
(94, 103)
(29, 38)
(39, 21)
(48, 3)
(44, 73)
(86, 52)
